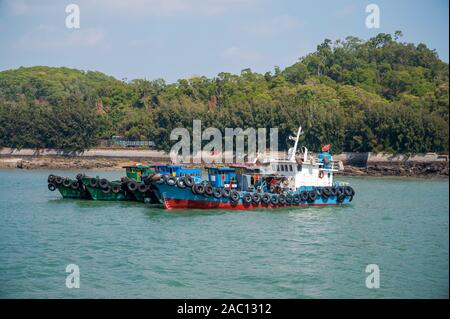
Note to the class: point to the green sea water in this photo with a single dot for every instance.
(133, 250)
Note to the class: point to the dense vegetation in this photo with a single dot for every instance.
(375, 95)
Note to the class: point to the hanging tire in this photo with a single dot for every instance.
(199, 189)
(217, 193)
(51, 187)
(349, 191)
(265, 198)
(256, 198)
(171, 181)
(312, 196)
(340, 198)
(132, 186)
(51, 178)
(340, 190)
(247, 198)
(142, 188)
(282, 199)
(274, 199)
(325, 192)
(318, 191)
(103, 183)
(296, 199)
(209, 190)
(115, 189)
(106, 190)
(234, 196)
(303, 196)
(66, 182)
(93, 182)
(75, 184)
(226, 192)
(289, 199)
(58, 180)
(79, 176)
(181, 182)
(188, 181)
(333, 191)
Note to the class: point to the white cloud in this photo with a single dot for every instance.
(241, 54)
(50, 37)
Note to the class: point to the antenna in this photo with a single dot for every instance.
(299, 132)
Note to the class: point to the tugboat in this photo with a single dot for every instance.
(69, 188)
(135, 186)
(298, 180)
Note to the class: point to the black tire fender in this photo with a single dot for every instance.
(217, 193)
(226, 192)
(274, 199)
(303, 196)
(181, 182)
(171, 181)
(265, 198)
(312, 196)
(234, 196)
(199, 189)
(247, 198)
(209, 190)
(132, 186)
(256, 198)
(106, 190)
(188, 181)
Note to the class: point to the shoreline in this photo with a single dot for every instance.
(423, 170)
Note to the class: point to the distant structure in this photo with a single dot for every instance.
(123, 142)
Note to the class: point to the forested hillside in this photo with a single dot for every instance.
(375, 95)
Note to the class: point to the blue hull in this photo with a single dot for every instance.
(176, 197)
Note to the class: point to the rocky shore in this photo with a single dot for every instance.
(406, 169)
(64, 163)
(355, 164)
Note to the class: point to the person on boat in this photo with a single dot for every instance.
(325, 156)
(272, 184)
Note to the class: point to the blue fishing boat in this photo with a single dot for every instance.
(297, 180)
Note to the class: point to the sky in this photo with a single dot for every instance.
(173, 39)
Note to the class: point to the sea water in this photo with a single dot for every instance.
(134, 250)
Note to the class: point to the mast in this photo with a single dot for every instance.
(296, 144)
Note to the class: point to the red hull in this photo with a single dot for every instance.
(171, 203)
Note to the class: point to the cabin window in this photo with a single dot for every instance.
(299, 168)
(329, 175)
(285, 168)
(282, 168)
(290, 168)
